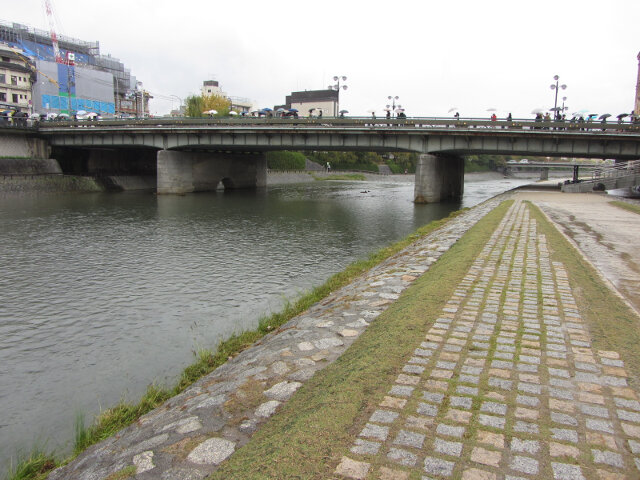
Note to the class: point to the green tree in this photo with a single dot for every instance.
(197, 104)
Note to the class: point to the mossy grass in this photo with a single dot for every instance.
(612, 323)
(343, 176)
(626, 206)
(316, 426)
(124, 414)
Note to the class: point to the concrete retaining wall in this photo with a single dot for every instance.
(29, 166)
(19, 145)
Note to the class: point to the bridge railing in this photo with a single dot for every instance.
(353, 122)
(616, 171)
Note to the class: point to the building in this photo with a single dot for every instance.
(17, 76)
(86, 80)
(238, 104)
(312, 102)
(636, 109)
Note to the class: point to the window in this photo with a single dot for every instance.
(3, 97)
(14, 97)
(3, 79)
(14, 80)
(6, 59)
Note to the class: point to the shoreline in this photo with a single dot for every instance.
(230, 401)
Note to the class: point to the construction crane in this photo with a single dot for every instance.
(54, 37)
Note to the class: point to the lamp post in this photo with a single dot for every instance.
(140, 91)
(179, 105)
(337, 87)
(556, 87)
(393, 103)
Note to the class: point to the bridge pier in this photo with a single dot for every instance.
(438, 177)
(186, 172)
(544, 173)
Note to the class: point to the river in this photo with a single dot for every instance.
(103, 294)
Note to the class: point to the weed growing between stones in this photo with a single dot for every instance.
(36, 467)
(626, 206)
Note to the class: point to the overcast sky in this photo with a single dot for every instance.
(434, 55)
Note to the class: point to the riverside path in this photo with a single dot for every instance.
(504, 384)
(507, 383)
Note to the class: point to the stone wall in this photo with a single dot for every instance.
(22, 146)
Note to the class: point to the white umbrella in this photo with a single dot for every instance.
(492, 109)
(537, 110)
(210, 112)
(398, 110)
(81, 112)
(452, 109)
(92, 115)
(233, 113)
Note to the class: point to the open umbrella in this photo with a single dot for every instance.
(92, 115)
(267, 109)
(492, 109)
(81, 113)
(280, 110)
(535, 111)
(398, 110)
(210, 112)
(592, 116)
(622, 115)
(604, 116)
(343, 111)
(293, 110)
(453, 109)
(233, 113)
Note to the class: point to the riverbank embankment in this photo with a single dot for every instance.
(193, 433)
(197, 429)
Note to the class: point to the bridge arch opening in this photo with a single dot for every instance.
(226, 184)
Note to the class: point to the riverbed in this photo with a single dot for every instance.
(103, 294)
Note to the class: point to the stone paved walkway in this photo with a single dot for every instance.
(505, 384)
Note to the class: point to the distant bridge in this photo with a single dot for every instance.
(196, 154)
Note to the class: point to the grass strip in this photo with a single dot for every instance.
(307, 438)
(36, 466)
(344, 176)
(626, 206)
(124, 414)
(612, 324)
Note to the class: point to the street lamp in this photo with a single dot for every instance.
(337, 87)
(556, 87)
(179, 100)
(393, 103)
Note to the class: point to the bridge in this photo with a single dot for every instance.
(196, 154)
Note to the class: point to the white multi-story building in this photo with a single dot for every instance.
(16, 79)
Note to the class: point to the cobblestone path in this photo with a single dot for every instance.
(505, 384)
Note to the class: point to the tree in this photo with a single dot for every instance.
(197, 104)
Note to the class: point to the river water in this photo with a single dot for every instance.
(103, 294)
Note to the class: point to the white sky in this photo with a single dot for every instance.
(434, 55)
